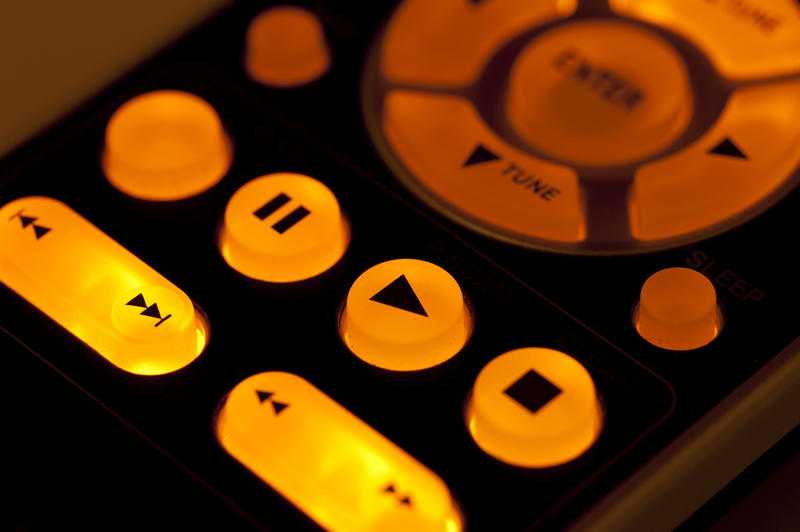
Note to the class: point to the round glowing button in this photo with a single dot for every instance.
(165, 145)
(599, 93)
(678, 310)
(286, 47)
(534, 407)
(283, 227)
(405, 315)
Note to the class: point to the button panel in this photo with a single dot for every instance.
(446, 43)
(454, 154)
(334, 467)
(743, 38)
(96, 289)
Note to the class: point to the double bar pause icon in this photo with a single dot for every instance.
(285, 223)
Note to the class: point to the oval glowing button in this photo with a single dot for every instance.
(286, 47)
(599, 93)
(678, 310)
(165, 145)
(405, 315)
(334, 467)
(96, 289)
(534, 407)
(283, 227)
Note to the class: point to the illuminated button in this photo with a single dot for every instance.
(96, 289)
(446, 43)
(534, 407)
(330, 464)
(455, 157)
(599, 93)
(743, 38)
(405, 315)
(165, 145)
(283, 227)
(677, 310)
(286, 47)
(746, 157)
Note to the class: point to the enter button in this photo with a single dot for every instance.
(599, 93)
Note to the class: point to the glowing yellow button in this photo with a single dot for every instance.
(743, 38)
(283, 227)
(286, 47)
(447, 42)
(165, 145)
(748, 156)
(678, 310)
(330, 464)
(599, 93)
(405, 315)
(534, 407)
(453, 153)
(96, 289)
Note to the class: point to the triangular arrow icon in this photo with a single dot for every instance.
(263, 396)
(278, 407)
(399, 294)
(728, 148)
(137, 301)
(27, 220)
(480, 155)
(40, 231)
(151, 311)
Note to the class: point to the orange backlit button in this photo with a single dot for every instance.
(534, 407)
(96, 289)
(165, 145)
(405, 315)
(599, 93)
(455, 158)
(746, 157)
(286, 47)
(744, 38)
(678, 310)
(446, 43)
(283, 227)
(334, 467)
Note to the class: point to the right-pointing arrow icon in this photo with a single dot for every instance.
(727, 148)
(480, 155)
(399, 294)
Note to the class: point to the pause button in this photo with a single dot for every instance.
(283, 227)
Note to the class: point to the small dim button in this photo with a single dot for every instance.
(286, 47)
(405, 315)
(534, 407)
(283, 227)
(165, 145)
(678, 310)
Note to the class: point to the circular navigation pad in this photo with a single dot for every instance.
(568, 127)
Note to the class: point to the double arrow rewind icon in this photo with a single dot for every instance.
(38, 230)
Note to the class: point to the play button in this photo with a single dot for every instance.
(405, 315)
